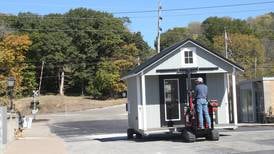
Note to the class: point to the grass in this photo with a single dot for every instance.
(56, 103)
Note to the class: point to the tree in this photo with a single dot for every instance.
(172, 36)
(263, 27)
(13, 49)
(195, 28)
(181, 33)
(55, 49)
(246, 50)
(76, 46)
(144, 51)
(106, 41)
(107, 81)
(215, 26)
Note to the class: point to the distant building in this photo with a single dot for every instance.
(256, 100)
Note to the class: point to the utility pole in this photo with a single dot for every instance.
(255, 66)
(226, 46)
(159, 29)
(61, 91)
(41, 77)
(228, 79)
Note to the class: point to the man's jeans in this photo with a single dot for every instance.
(203, 109)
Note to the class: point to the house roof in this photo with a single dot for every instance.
(165, 51)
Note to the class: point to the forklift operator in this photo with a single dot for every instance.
(201, 101)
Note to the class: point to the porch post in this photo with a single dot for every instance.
(144, 101)
(139, 101)
(225, 100)
(234, 96)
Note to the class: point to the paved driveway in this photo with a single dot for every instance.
(103, 131)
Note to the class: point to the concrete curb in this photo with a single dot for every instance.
(254, 124)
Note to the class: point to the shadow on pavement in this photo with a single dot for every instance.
(152, 138)
(106, 131)
(40, 120)
(84, 128)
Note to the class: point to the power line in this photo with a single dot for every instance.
(46, 17)
(68, 63)
(147, 11)
(148, 16)
(202, 13)
(86, 30)
(63, 30)
(196, 8)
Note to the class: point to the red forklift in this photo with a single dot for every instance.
(192, 131)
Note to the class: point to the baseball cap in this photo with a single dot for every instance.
(199, 79)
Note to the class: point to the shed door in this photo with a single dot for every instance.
(171, 91)
(172, 100)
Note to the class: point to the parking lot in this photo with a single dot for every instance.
(104, 131)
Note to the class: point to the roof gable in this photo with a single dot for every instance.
(172, 48)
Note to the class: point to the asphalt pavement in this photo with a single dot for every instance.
(103, 131)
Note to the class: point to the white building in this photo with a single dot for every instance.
(157, 88)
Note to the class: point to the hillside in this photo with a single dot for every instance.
(56, 103)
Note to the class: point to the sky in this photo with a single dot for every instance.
(146, 22)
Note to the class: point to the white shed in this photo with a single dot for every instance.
(157, 88)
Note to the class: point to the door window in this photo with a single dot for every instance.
(172, 99)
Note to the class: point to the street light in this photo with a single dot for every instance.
(10, 83)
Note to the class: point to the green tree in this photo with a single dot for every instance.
(173, 36)
(107, 81)
(77, 44)
(56, 50)
(215, 26)
(181, 33)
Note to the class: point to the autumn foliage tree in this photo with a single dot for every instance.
(246, 50)
(13, 49)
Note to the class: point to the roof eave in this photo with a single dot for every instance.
(129, 76)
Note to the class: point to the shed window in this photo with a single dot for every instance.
(188, 57)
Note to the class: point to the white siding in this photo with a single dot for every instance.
(216, 90)
(132, 103)
(203, 59)
(153, 102)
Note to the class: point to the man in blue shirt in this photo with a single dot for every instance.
(201, 96)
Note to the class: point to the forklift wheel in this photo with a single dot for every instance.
(189, 136)
(130, 133)
(213, 136)
(139, 136)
